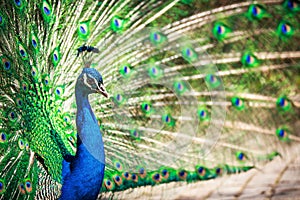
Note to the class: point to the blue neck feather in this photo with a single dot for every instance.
(82, 178)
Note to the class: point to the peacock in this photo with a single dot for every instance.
(136, 99)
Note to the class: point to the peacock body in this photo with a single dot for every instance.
(198, 90)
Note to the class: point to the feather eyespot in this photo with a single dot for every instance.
(109, 184)
(180, 87)
(165, 173)
(6, 64)
(146, 108)
(22, 188)
(19, 102)
(219, 171)
(182, 174)
(46, 8)
(283, 104)
(135, 134)
(201, 171)
(34, 41)
(28, 186)
(240, 156)
(118, 166)
(3, 137)
(283, 134)
(58, 92)
(134, 177)
(142, 172)
(2, 186)
(203, 114)
(24, 87)
(27, 146)
(22, 51)
(118, 180)
(18, 2)
(34, 72)
(67, 118)
(212, 81)
(21, 144)
(238, 103)
(119, 97)
(12, 116)
(157, 38)
(46, 80)
(126, 175)
(82, 29)
(156, 177)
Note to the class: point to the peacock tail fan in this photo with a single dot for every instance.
(198, 89)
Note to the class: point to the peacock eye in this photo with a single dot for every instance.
(3, 137)
(220, 29)
(155, 72)
(46, 8)
(282, 134)
(22, 188)
(28, 186)
(108, 184)
(156, 177)
(182, 174)
(66, 117)
(22, 52)
(34, 40)
(200, 170)
(27, 146)
(83, 27)
(46, 80)
(165, 173)
(25, 87)
(157, 38)
(18, 3)
(142, 170)
(118, 165)
(34, 72)
(240, 156)
(55, 56)
(285, 29)
(134, 177)
(118, 180)
(2, 186)
(119, 97)
(179, 87)
(58, 92)
(21, 144)
(12, 116)
(256, 11)
(6, 63)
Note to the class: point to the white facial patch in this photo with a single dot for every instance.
(87, 81)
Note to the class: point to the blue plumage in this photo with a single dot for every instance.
(83, 175)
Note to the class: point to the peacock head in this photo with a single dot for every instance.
(90, 81)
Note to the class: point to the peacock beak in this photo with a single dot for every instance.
(101, 89)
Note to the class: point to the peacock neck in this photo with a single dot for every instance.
(88, 130)
(84, 175)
